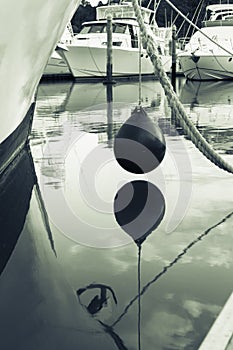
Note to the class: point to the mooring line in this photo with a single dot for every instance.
(180, 112)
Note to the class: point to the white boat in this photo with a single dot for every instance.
(209, 53)
(25, 51)
(86, 55)
(57, 66)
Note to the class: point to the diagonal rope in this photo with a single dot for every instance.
(171, 265)
(180, 113)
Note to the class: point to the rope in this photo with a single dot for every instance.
(139, 295)
(170, 265)
(180, 113)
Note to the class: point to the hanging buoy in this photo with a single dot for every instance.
(139, 207)
(139, 145)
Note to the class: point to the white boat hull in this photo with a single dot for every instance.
(90, 62)
(56, 67)
(24, 54)
(206, 66)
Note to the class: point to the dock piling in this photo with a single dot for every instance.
(173, 78)
(109, 49)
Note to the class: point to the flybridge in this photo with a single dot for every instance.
(122, 10)
(221, 9)
(219, 15)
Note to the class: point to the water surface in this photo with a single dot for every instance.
(186, 262)
(183, 289)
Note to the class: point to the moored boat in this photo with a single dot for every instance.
(209, 53)
(24, 54)
(86, 55)
(57, 66)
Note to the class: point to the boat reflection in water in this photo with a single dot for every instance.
(73, 97)
(209, 105)
(39, 310)
(17, 181)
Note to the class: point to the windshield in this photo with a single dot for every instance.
(101, 28)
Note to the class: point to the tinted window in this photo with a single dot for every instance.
(85, 30)
(119, 28)
(94, 28)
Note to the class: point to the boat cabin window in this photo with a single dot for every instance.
(119, 28)
(85, 30)
(218, 18)
(134, 36)
(101, 28)
(97, 28)
(94, 28)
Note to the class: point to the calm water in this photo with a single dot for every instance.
(85, 266)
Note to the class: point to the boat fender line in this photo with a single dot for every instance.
(189, 128)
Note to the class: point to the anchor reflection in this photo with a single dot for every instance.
(99, 301)
(38, 308)
(16, 186)
(95, 306)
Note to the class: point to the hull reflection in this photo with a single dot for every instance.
(199, 93)
(15, 192)
(209, 106)
(39, 310)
